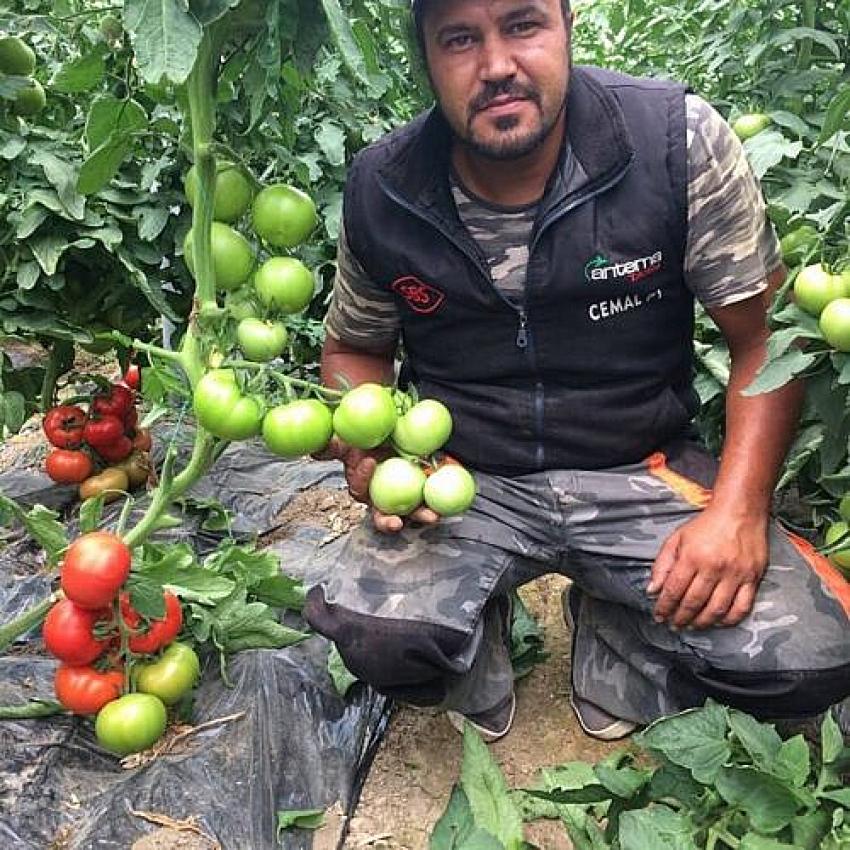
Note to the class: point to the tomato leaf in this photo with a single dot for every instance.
(91, 511)
(103, 163)
(658, 827)
(299, 819)
(341, 676)
(109, 114)
(41, 523)
(81, 74)
(456, 828)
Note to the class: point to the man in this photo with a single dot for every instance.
(536, 241)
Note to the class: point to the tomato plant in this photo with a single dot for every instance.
(84, 689)
(131, 723)
(171, 676)
(68, 632)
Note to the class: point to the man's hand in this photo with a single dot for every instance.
(708, 571)
(359, 465)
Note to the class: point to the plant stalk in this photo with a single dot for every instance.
(29, 619)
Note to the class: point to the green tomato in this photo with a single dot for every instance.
(283, 216)
(835, 323)
(16, 57)
(299, 428)
(797, 243)
(131, 723)
(221, 408)
(815, 287)
(844, 275)
(241, 304)
(233, 191)
(841, 557)
(284, 284)
(30, 100)
(366, 416)
(844, 507)
(450, 490)
(750, 124)
(424, 428)
(261, 341)
(171, 676)
(396, 486)
(233, 257)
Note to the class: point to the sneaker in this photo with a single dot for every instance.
(595, 721)
(492, 724)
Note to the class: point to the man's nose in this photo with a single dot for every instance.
(497, 60)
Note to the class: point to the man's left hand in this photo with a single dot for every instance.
(708, 571)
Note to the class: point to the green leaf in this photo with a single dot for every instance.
(152, 221)
(165, 38)
(299, 819)
(103, 163)
(836, 113)
(345, 41)
(831, 739)
(767, 149)
(659, 828)
(456, 828)
(770, 804)
(81, 74)
(91, 512)
(341, 676)
(48, 250)
(794, 761)
(695, 739)
(13, 411)
(625, 782)
(178, 571)
(841, 796)
(754, 841)
(280, 591)
(41, 524)
(110, 115)
(146, 597)
(62, 176)
(777, 373)
(484, 785)
(526, 640)
(331, 139)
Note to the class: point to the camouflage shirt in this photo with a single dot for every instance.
(731, 247)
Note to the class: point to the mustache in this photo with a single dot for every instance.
(501, 88)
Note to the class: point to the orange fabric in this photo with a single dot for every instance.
(693, 493)
(830, 575)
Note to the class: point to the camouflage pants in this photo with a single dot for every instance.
(420, 614)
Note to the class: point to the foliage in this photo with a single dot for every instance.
(705, 779)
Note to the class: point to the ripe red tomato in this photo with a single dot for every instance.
(104, 431)
(66, 466)
(95, 566)
(116, 402)
(63, 426)
(117, 451)
(159, 633)
(133, 376)
(68, 632)
(85, 690)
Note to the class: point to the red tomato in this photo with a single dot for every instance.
(68, 632)
(116, 402)
(63, 426)
(131, 420)
(142, 441)
(117, 451)
(159, 632)
(65, 466)
(95, 566)
(85, 690)
(104, 431)
(133, 376)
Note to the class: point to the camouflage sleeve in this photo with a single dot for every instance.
(731, 246)
(360, 314)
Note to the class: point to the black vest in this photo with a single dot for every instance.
(595, 369)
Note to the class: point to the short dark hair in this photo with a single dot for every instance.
(419, 7)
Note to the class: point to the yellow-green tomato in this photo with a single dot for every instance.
(815, 287)
(261, 341)
(366, 416)
(171, 676)
(233, 191)
(835, 323)
(233, 257)
(450, 490)
(284, 284)
(424, 428)
(283, 216)
(748, 125)
(396, 486)
(131, 723)
(841, 557)
(298, 428)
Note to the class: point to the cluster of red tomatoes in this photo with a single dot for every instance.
(102, 449)
(96, 672)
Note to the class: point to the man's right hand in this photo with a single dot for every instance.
(359, 466)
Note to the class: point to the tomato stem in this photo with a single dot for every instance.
(279, 376)
(28, 620)
(32, 709)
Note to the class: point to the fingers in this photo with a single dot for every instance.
(664, 562)
(425, 516)
(741, 606)
(359, 469)
(386, 523)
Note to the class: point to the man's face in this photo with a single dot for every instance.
(499, 69)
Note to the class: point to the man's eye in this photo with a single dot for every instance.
(523, 27)
(458, 42)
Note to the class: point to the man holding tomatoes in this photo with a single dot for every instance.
(536, 241)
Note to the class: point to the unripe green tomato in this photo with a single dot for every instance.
(425, 428)
(283, 216)
(261, 341)
(815, 287)
(233, 191)
(16, 57)
(748, 125)
(841, 557)
(241, 304)
(233, 257)
(221, 408)
(844, 507)
(131, 723)
(835, 323)
(171, 676)
(366, 416)
(796, 243)
(284, 284)
(396, 486)
(298, 428)
(30, 101)
(450, 490)
(844, 275)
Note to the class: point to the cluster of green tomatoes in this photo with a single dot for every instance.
(17, 59)
(826, 295)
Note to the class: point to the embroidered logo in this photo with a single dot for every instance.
(599, 268)
(420, 297)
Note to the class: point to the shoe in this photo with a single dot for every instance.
(593, 720)
(492, 724)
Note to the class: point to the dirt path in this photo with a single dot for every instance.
(419, 760)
